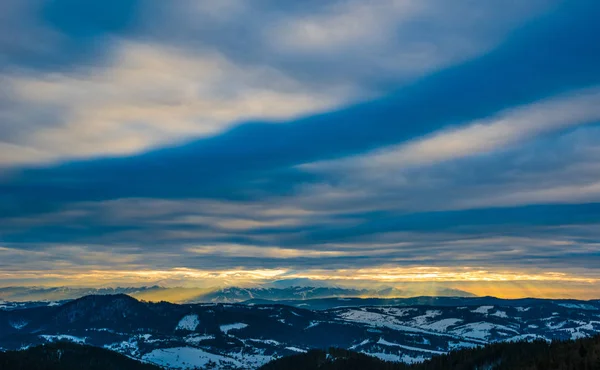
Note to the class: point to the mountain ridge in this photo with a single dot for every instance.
(246, 336)
(216, 294)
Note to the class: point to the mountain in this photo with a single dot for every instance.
(275, 291)
(328, 303)
(68, 356)
(559, 355)
(234, 294)
(246, 336)
(40, 294)
(301, 282)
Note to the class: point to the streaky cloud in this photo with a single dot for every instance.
(532, 64)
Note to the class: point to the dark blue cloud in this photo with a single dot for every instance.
(471, 221)
(471, 237)
(556, 53)
(59, 35)
(92, 18)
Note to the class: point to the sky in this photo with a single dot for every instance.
(389, 142)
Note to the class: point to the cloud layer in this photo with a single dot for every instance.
(330, 140)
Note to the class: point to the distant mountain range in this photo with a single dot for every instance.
(247, 336)
(236, 295)
(273, 292)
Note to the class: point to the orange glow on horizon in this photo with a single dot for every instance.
(423, 280)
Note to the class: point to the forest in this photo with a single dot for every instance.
(69, 356)
(582, 354)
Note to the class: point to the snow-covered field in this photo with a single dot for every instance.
(186, 358)
(227, 328)
(63, 337)
(188, 322)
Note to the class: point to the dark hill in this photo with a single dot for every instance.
(332, 359)
(582, 354)
(68, 356)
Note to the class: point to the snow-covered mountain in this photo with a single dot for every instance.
(238, 336)
(295, 293)
(236, 295)
(275, 291)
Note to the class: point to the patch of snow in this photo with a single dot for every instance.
(577, 332)
(580, 306)
(296, 349)
(187, 358)
(411, 360)
(266, 341)
(480, 330)
(459, 345)
(578, 335)
(188, 322)
(397, 311)
(360, 344)
(195, 339)
(237, 326)
(483, 309)
(442, 325)
(386, 343)
(527, 337)
(63, 337)
(421, 320)
(380, 320)
(18, 324)
(312, 325)
(501, 314)
(396, 357)
(129, 347)
(556, 326)
(102, 329)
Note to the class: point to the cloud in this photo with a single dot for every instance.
(184, 152)
(485, 136)
(151, 95)
(190, 234)
(560, 168)
(343, 25)
(264, 164)
(123, 77)
(474, 163)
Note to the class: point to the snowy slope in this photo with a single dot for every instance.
(236, 336)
